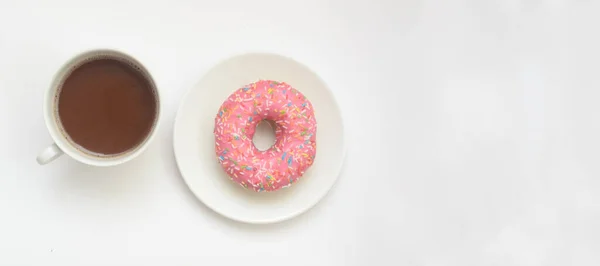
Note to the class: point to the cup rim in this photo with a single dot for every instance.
(52, 124)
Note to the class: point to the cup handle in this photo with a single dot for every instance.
(49, 154)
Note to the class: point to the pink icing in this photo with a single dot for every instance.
(295, 132)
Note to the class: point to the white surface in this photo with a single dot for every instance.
(264, 135)
(62, 143)
(194, 140)
(472, 131)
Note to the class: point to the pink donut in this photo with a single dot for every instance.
(295, 132)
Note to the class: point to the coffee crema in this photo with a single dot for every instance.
(107, 107)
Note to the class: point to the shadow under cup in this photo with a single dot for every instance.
(105, 106)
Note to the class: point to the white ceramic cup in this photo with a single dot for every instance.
(62, 143)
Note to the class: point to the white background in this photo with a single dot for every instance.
(472, 129)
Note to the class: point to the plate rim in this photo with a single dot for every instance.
(282, 218)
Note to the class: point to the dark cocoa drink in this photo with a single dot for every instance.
(106, 107)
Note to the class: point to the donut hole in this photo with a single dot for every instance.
(264, 135)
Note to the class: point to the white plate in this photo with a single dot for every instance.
(194, 141)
